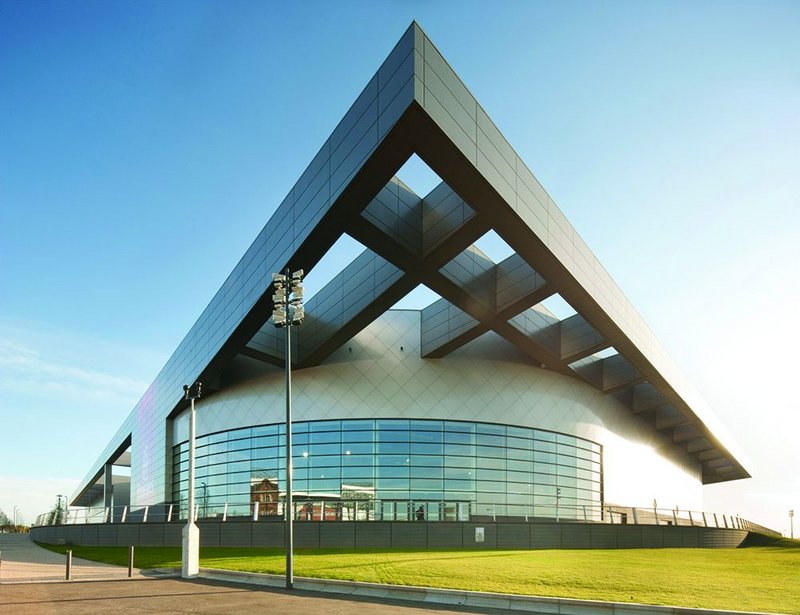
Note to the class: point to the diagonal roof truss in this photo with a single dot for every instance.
(429, 240)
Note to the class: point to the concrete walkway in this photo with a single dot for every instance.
(174, 596)
(482, 602)
(23, 561)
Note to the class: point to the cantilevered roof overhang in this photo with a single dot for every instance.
(416, 104)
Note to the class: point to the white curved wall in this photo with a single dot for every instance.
(380, 374)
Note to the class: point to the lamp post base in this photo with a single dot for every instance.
(190, 551)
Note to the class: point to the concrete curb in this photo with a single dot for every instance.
(509, 602)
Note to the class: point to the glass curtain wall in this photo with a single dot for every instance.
(395, 469)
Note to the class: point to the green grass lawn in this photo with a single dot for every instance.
(765, 577)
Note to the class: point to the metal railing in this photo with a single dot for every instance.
(403, 510)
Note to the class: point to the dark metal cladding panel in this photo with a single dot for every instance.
(617, 371)
(397, 211)
(353, 290)
(577, 335)
(443, 212)
(541, 327)
(442, 322)
(516, 279)
(473, 271)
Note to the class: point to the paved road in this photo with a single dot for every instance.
(22, 560)
(166, 596)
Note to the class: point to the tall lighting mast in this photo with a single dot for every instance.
(190, 536)
(288, 312)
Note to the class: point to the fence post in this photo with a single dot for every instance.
(69, 565)
(130, 561)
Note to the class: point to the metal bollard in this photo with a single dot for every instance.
(69, 565)
(130, 561)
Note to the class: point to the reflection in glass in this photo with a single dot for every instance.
(370, 469)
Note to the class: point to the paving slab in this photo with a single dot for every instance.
(23, 561)
(168, 596)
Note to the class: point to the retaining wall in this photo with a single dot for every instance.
(405, 534)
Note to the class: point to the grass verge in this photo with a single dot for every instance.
(763, 578)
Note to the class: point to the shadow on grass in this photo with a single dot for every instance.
(762, 540)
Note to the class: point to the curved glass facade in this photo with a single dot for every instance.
(389, 468)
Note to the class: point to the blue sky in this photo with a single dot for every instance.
(145, 144)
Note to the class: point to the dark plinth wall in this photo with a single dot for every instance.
(422, 535)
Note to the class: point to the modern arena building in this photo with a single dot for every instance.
(482, 407)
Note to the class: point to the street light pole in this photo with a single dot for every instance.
(190, 556)
(791, 523)
(288, 312)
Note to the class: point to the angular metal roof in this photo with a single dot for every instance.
(416, 104)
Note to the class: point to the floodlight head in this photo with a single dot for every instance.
(298, 275)
(279, 315)
(193, 391)
(278, 278)
(298, 313)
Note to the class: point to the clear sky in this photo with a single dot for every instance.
(143, 145)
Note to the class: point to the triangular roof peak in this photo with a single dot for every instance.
(416, 103)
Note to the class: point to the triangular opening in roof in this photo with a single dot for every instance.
(418, 176)
(418, 299)
(605, 353)
(339, 255)
(558, 307)
(268, 340)
(493, 246)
